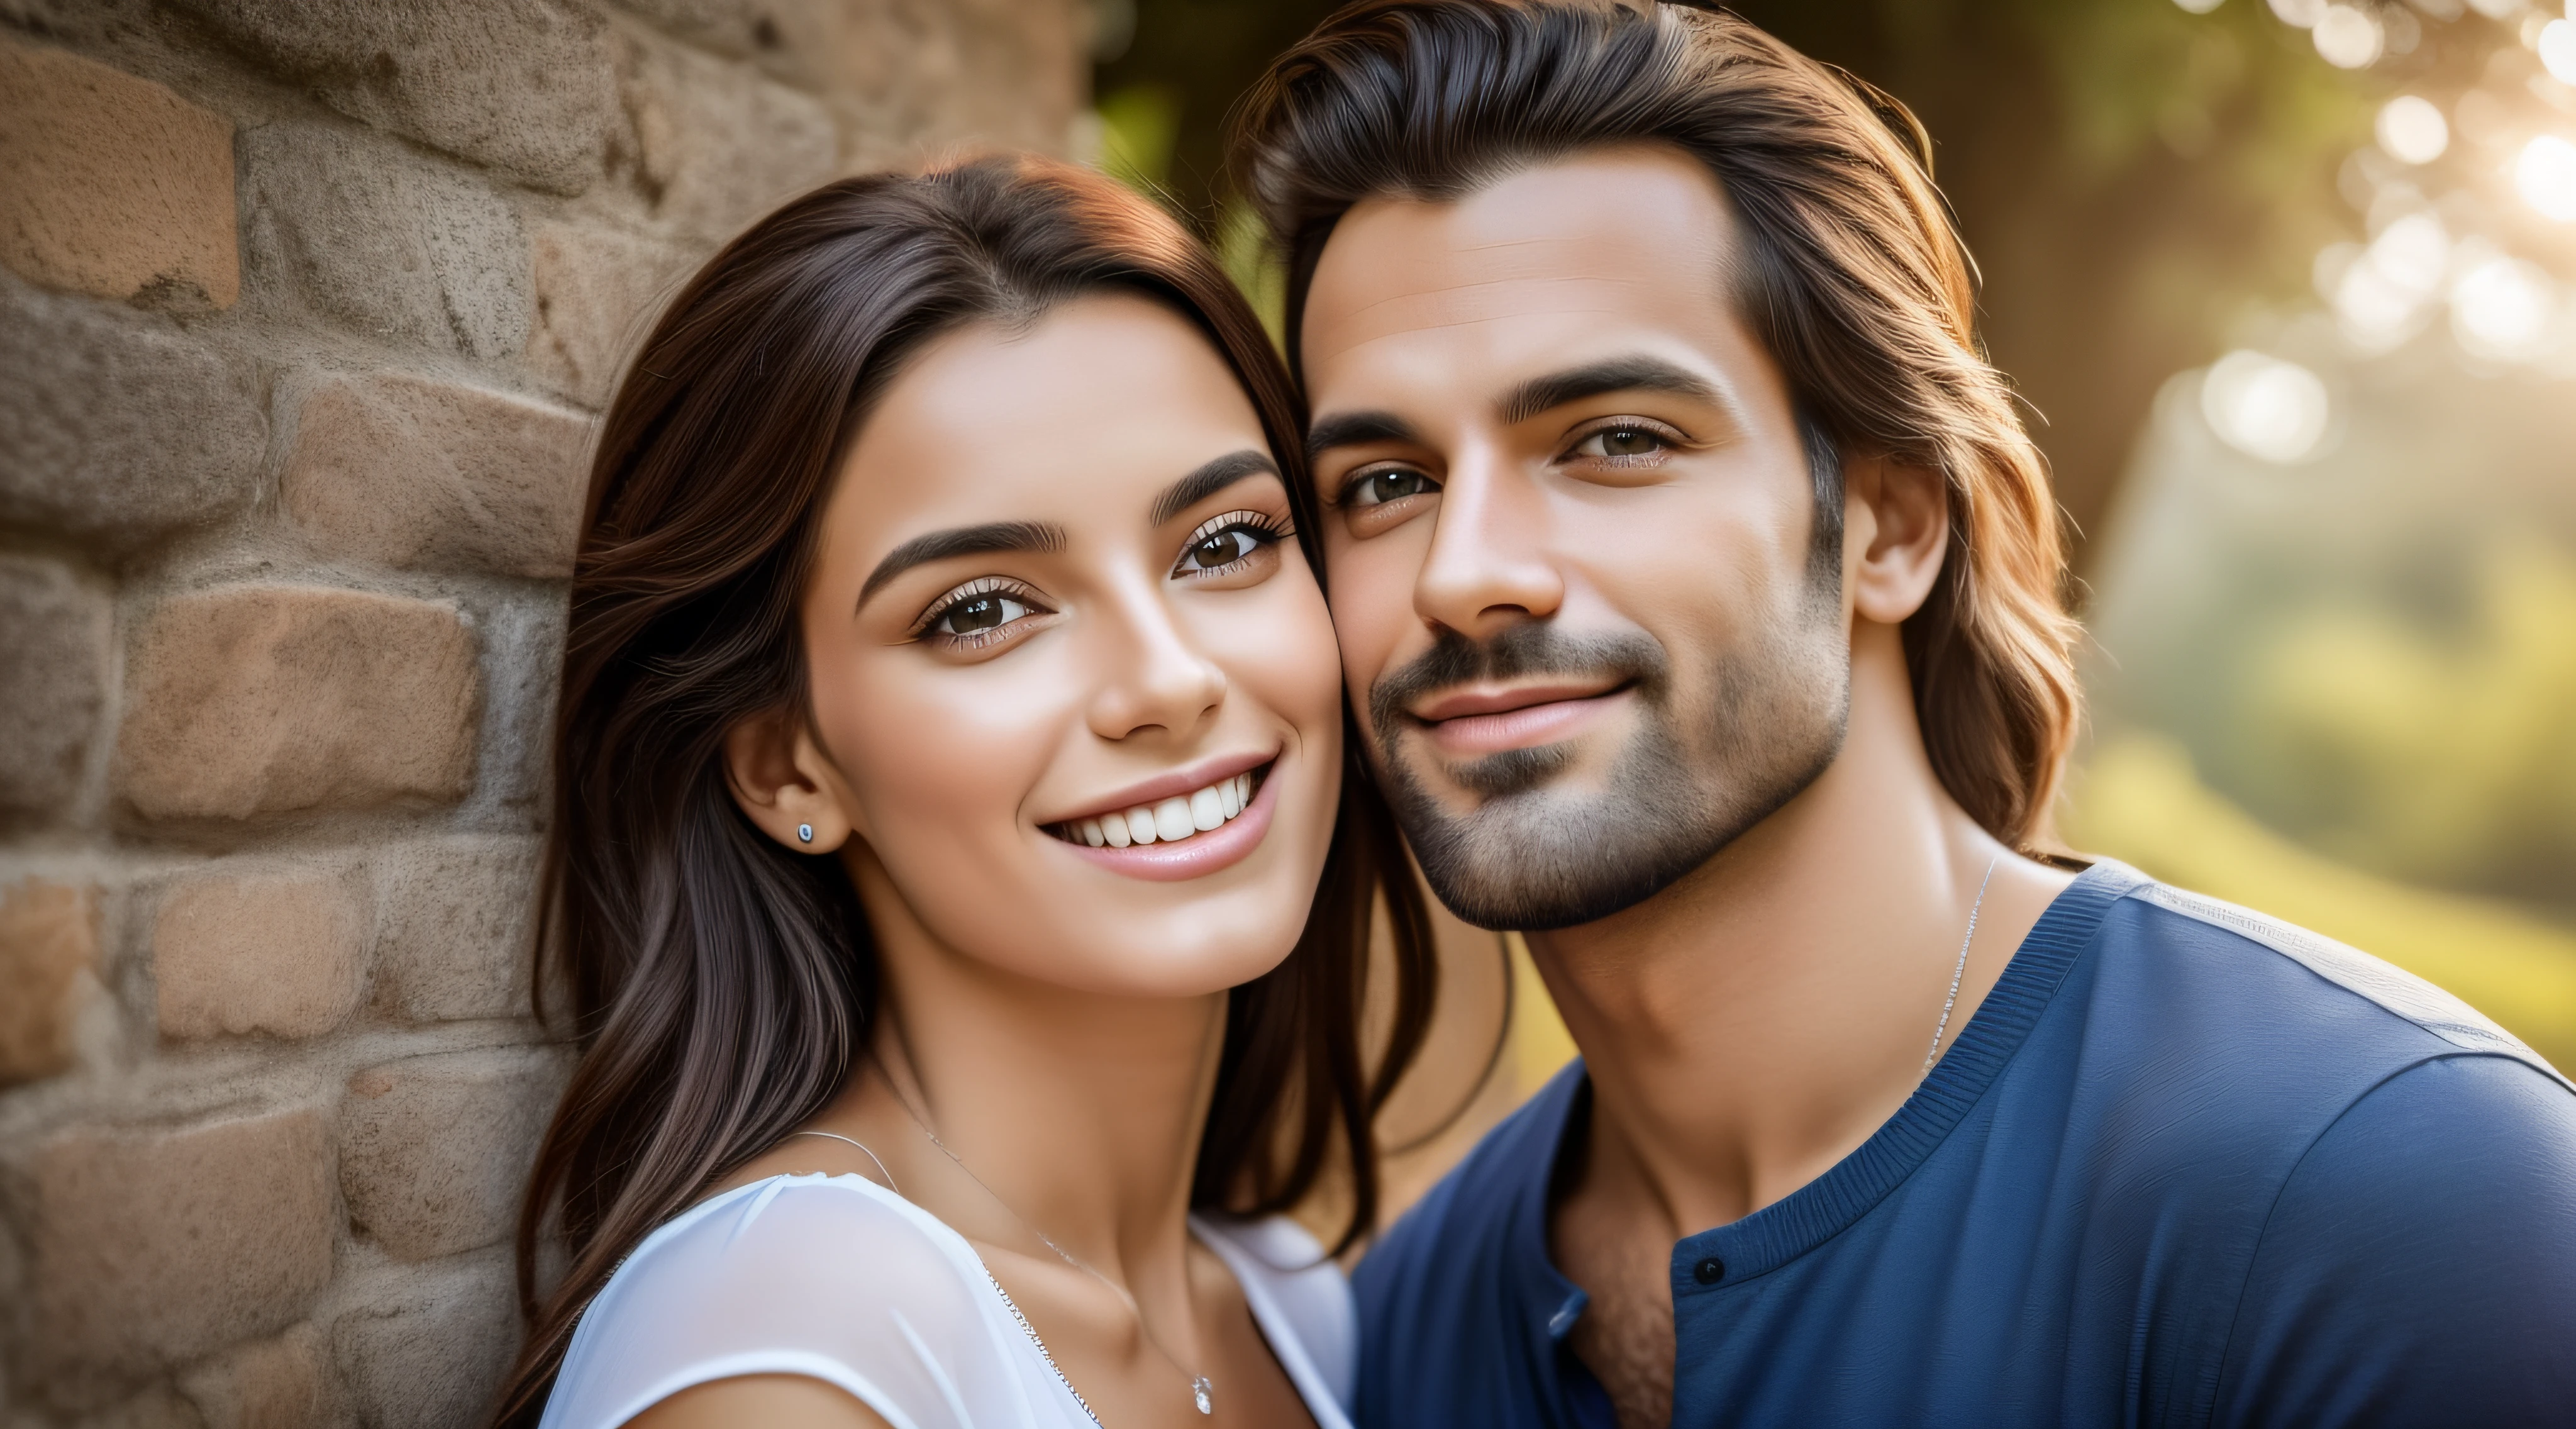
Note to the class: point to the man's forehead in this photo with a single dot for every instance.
(1618, 233)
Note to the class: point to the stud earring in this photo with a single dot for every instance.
(804, 833)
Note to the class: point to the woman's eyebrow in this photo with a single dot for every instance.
(1208, 480)
(963, 541)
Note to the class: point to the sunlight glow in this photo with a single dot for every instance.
(2412, 130)
(2264, 407)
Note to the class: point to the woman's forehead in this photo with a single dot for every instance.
(1094, 407)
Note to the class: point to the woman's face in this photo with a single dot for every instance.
(1074, 689)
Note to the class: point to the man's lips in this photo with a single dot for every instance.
(1475, 720)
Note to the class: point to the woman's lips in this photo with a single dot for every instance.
(1199, 854)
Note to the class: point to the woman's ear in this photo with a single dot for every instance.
(1896, 529)
(781, 780)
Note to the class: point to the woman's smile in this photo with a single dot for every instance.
(1183, 836)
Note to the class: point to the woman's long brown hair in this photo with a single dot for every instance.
(720, 986)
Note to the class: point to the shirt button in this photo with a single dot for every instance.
(1709, 1271)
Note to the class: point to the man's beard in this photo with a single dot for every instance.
(1695, 775)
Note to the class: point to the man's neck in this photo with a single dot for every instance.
(1754, 1023)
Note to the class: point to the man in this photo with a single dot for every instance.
(1699, 593)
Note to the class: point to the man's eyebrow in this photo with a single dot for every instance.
(1618, 374)
(1352, 429)
(1208, 480)
(963, 541)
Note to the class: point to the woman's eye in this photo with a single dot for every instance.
(1621, 441)
(1221, 550)
(1393, 484)
(978, 613)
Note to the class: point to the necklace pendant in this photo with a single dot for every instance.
(1199, 1388)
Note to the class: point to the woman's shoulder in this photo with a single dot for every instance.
(830, 1277)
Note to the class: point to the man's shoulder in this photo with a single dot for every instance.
(2281, 993)
(2221, 1038)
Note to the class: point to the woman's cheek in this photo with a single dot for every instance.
(940, 758)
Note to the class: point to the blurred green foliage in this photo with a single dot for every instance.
(2439, 750)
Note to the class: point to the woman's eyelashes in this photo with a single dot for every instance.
(1230, 544)
(979, 613)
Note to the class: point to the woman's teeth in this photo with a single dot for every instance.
(1170, 821)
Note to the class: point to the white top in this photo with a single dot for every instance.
(841, 1280)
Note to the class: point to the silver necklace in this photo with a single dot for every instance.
(1202, 1393)
(1961, 969)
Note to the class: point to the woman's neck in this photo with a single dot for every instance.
(1025, 1113)
(1078, 1115)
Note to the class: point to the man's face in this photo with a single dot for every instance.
(1568, 523)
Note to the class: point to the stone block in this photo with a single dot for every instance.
(456, 928)
(523, 86)
(597, 292)
(430, 475)
(113, 186)
(719, 144)
(278, 952)
(431, 1356)
(153, 1247)
(48, 965)
(160, 1407)
(992, 73)
(392, 244)
(281, 1383)
(117, 428)
(435, 1150)
(53, 662)
(262, 699)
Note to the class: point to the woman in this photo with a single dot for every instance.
(962, 889)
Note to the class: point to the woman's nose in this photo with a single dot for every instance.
(1154, 676)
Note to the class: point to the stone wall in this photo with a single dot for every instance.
(305, 309)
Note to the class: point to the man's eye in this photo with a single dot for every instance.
(978, 612)
(1394, 484)
(1621, 441)
(1222, 549)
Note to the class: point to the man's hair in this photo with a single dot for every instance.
(1851, 276)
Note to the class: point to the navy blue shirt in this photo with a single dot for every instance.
(2186, 1165)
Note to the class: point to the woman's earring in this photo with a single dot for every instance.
(804, 833)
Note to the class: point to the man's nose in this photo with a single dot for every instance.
(1488, 567)
(1156, 678)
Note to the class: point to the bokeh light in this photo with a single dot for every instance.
(2557, 48)
(2412, 130)
(2200, 7)
(2302, 13)
(2380, 293)
(2348, 38)
(2502, 307)
(2265, 407)
(2546, 175)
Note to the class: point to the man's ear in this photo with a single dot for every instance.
(1896, 529)
(781, 780)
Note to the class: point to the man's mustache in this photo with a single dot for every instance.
(1535, 647)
